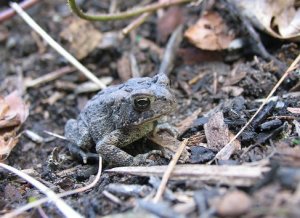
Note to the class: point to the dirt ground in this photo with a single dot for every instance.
(211, 81)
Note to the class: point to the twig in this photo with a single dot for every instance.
(291, 67)
(55, 135)
(42, 212)
(168, 59)
(112, 197)
(126, 14)
(232, 175)
(56, 46)
(8, 13)
(168, 172)
(60, 204)
(136, 23)
(43, 200)
(50, 76)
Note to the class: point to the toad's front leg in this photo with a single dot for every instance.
(109, 149)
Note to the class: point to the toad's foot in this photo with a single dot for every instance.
(81, 155)
(142, 159)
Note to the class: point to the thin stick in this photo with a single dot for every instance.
(28, 206)
(291, 67)
(126, 14)
(8, 13)
(136, 23)
(56, 46)
(60, 204)
(50, 76)
(168, 172)
(167, 62)
(55, 135)
(112, 197)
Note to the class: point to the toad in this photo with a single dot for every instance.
(118, 116)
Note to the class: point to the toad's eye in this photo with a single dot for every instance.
(142, 104)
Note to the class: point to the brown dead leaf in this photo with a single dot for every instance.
(124, 67)
(7, 142)
(3, 107)
(210, 32)
(16, 107)
(197, 139)
(279, 18)
(13, 112)
(82, 37)
(169, 145)
(172, 18)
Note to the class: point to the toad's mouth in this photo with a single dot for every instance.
(150, 119)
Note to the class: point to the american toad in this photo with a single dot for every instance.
(118, 116)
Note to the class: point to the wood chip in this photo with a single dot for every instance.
(216, 132)
(294, 110)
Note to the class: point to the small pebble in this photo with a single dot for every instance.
(234, 203)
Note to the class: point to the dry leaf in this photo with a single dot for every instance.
(210, 33)
(82, 37)
(169, 145)
(7, 142)
(13, 112)
(16, 107)
(279, 18)
(124, 67)
(167, 24)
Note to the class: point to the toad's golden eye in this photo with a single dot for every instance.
(142, 103)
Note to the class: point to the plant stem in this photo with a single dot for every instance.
(125, 14)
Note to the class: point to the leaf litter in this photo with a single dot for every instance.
(13, 113)
(231, 91)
